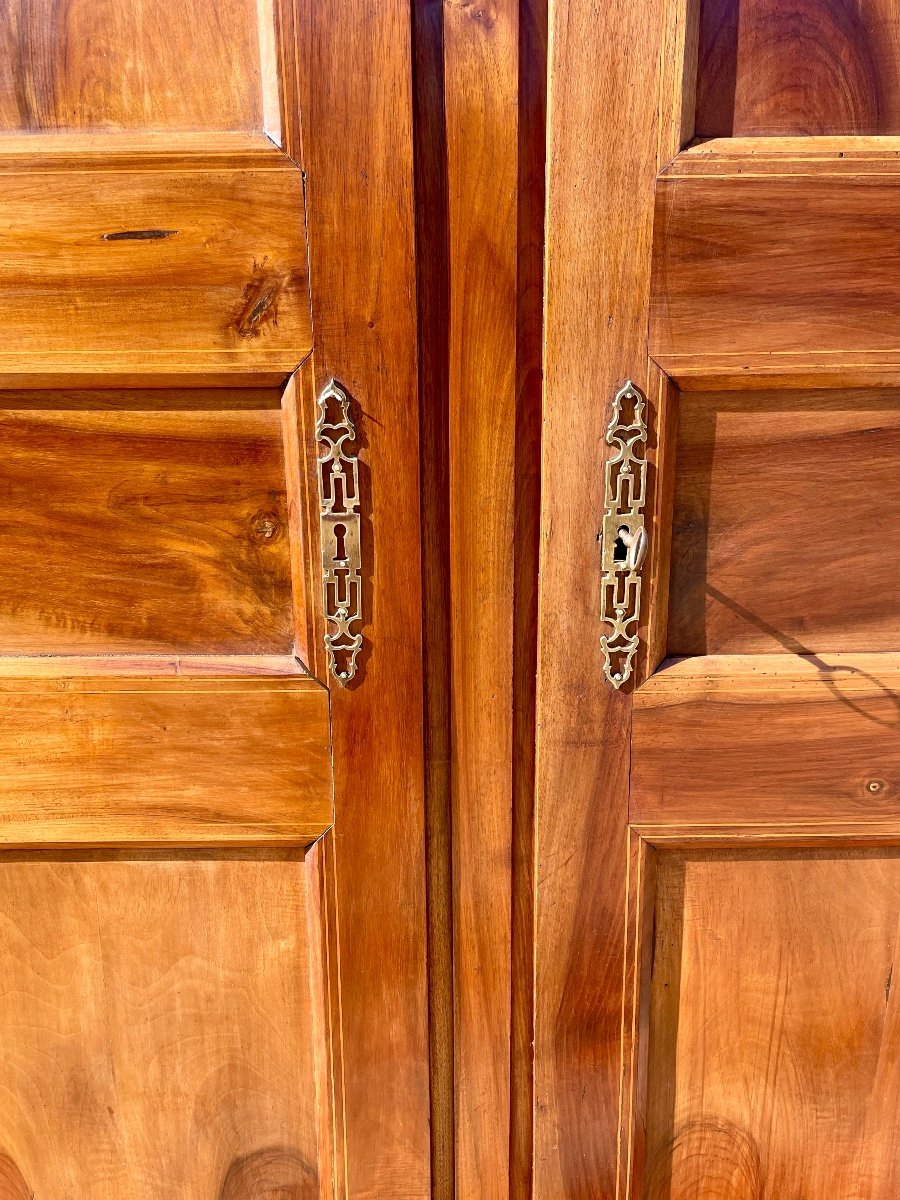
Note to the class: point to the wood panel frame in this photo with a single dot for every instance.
(357, 151)
(620, 108)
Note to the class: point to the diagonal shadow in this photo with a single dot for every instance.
(829, 672)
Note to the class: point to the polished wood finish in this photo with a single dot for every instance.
(493, 88)
(798, 67)
(758, 272)
(358, 153)
(481, 101)
(145, 756)
(607, 136)
(766, 539)
(773, 1043)
(157, 1032)
(154, 66)
(154, 271)
(155, 502)
(142, 531)
(298, 415)
(769, 739)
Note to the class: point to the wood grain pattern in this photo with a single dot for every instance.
(433, 301)
(143, 531)
(801, 67)
(142, 757)
(770, 550)
(768, 739)
(361, 232)
(105, 65)
(153, 272)
(774, 1032)
(298, 418)
(775, 272)
(481, 77)
(606, 139)
(155, 1026)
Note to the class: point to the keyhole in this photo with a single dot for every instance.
(340, 549)
(620, 546)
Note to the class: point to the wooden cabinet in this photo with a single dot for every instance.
(488, 922)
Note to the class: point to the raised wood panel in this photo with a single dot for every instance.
(770, 739)
(156, 1034)
(104, 65)
(143, 531)
(786, 532)
(757, 273)
(151, 268)
(142, 757)
(773, 1031)
(798, 67)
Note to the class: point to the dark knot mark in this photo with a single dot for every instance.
(139, 235)
(271, 1174)
(259, 304)
(12, 1185)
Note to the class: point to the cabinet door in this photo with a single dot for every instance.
(165, 754)
(718, 906)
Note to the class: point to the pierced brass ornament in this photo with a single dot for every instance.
(340, 531)
(624, 538)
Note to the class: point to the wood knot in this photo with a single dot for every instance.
(272, 1174)
(259, 304)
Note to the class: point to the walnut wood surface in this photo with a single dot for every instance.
(773, 1028)
(358, 153)
(143, 531)
(786, 532)
(157, 1033)
(798, 67)
(154, 271)
(607, 136)
(769, 739)
(775, 272)
(167, 1019)
(494, 80)
(140, 757)
(106, 66)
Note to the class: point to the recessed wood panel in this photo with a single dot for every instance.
(151, 264)
(759, 272)
(103, 65)
(743, 741)
(156, 1034)
(786, 531)
(143, 531)
(216, 753)
(798, 67)
(774, 1029)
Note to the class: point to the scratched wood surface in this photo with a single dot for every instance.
(143, 531)
(156, 1026)
(798, 67)
(786, 530)
(153, 270)
(773, 1026)
(104, 65)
